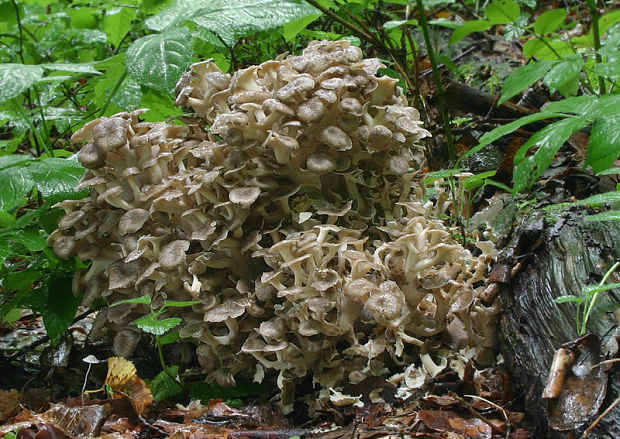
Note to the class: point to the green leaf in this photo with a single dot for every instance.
(206, 391)
(6, 219)
(568, 298)
(60, 309)
(143, 300)
(54, 178)
(549, 140)
(583, 104)
(607, 197)
(612, 215)
(150, 324)
(549, 21)
(604, 143)
(393, 24)
(117, 23)
(160, 105)
(503, 130)
(169, 338)
(180, 303)
(522, 78)
(16, 78)
(72, 67)
(608, 20)
(467, 28)
(564, 76)
(502, 11)
(292, 28)
(231, 18)
(595, 289)
(163, 386)
(158, 61)
(477, 180)
(610, 171)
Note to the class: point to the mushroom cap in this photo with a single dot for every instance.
(227, 310)
(110, 134)
(244, 196)
(132, 221)
(335, 138)
(173, 254)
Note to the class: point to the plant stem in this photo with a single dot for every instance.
(437, 79)
(597, 42)
(590, 305)
(21, 33)
(160, 353)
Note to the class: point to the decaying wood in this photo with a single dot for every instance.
(472, 100)
(568, 253)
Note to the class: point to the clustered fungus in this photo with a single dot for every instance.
(288, 206)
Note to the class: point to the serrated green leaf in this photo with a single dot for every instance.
(607, 197)
(231, 18)
(163, 386)
(564, 76)
(151, 325)
(160, 105)
(612, 215)
(522, 78)
(54, 178)
(604, 143)
(549, 141)
(117, 23)
(157, 61)
(469, 27)
(502, 11)
(169, 338)
(16, 78)
(549, 21)
(143, 300)
(71, 67)
(60, 309)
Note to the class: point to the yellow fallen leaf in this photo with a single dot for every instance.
(123, 381)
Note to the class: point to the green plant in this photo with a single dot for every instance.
(566, 64)
(167, 383)
(585, 303)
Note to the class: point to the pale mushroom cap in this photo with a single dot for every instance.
(133, 220)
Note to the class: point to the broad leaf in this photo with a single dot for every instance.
(72, 67)
(292, 28)
(564, 76)
(231, 18)
(117, 23)
(604, 143)
(171, 337)
(158, 61)
(612, 215)
(16, 78)
(607, 197)
(54, 178)
(163, 386)
(522, 78)
(549, 141)
(467, 28)
(503, 130)
(502, 11)
(151, 325)
(549, 21)
(61, 308)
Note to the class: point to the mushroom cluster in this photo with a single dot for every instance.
(288, 206)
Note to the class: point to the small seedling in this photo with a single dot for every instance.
(167, 383)
(590, 294)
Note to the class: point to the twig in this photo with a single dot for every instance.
(471, 410)
(499, 407)
(601, 416)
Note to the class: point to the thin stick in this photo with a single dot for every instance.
(597, 420)
(498, 407)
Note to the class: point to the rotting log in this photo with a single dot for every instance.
(559, 256)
